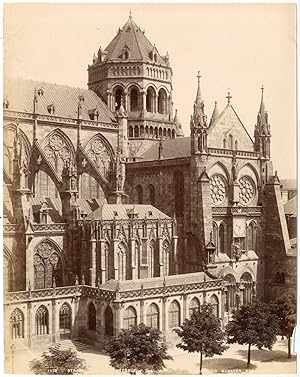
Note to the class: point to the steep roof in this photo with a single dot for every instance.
(20, 94)
(122, 211)
(288, 184)
(290, 207)
(131, 37)
(173, 148)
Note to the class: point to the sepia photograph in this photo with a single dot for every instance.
(149, 188)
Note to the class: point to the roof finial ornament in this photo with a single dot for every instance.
(198, 76)
(130, 14)
(262, 89)
(228, 97)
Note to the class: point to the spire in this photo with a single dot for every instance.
(262, 129)
(214, 115)
(199, 118)
(179, 131)
(198, 96)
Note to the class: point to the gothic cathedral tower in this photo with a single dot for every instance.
(131, 70)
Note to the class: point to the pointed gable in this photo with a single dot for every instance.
(227, 127)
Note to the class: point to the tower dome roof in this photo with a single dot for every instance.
(132, 39)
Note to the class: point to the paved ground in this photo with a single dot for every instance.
(232, 361)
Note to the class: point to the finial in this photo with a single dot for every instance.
(228, 97)
(130, 14)
(262, 89)
(198, 76)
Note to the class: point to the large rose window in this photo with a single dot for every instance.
(217, 189)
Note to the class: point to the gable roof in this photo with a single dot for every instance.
(20, 94)
(228, 116)
(132, 38)
(173, 148)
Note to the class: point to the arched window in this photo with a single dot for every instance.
(146, 131)
(109, 322)
(246, 279)
(91, 317)
(214, 302)
(230, 142)
(65, 321)
(42, 321)
(166, 257)
(194, 306)
(179, 193)
(90, 188)
(8, 272)
(142, 134)
(156, 132)
(251, 236)
(119, 94)
(224, 143)
(221, 246)
(124, 264)
(17, 324)
(109, 262)
(130, 131)
(47, 265)
(136, 131)
(159, 132)
(173, 134)
(139, 194)
(236, 145)
(130, 318)
(152, 317)
(134, 95)
(231, 292)
(45, 186)
(151, 131)
(174, 315)
(150, 100)
(151, 194)
(165, 133)
(151, 259)
(169, 133)
(162, 101)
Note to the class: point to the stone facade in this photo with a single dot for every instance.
(112, 217)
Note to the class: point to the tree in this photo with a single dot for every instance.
(138, 349)
(57, 361)
(284, 308)
(202, 333)
(254, 325)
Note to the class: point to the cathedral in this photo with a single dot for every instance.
(112, 217)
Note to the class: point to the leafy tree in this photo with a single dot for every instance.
(57, 361)
(138, 349)
(284, 308)
(254, 325)
(202, 333)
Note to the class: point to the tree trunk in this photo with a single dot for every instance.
(289, 346)
(200, 362)
(248, 362)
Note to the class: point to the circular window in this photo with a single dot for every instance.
(247, 190)
(217, 189)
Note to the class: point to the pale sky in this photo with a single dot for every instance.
(236, 46)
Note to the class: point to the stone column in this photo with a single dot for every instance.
(184, 306)
(133, 258)
(144, 94)
(161, 256)
(117, 317)
(29, 321)
(164, 319)
(126, 100)
(92, 269)
(175, 256)
(116, 260)
(53, 324)
(102, 260)
(142, 314)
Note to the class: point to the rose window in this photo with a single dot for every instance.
(217, 189)
(247, 190)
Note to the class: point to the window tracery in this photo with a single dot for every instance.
(217, 189)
